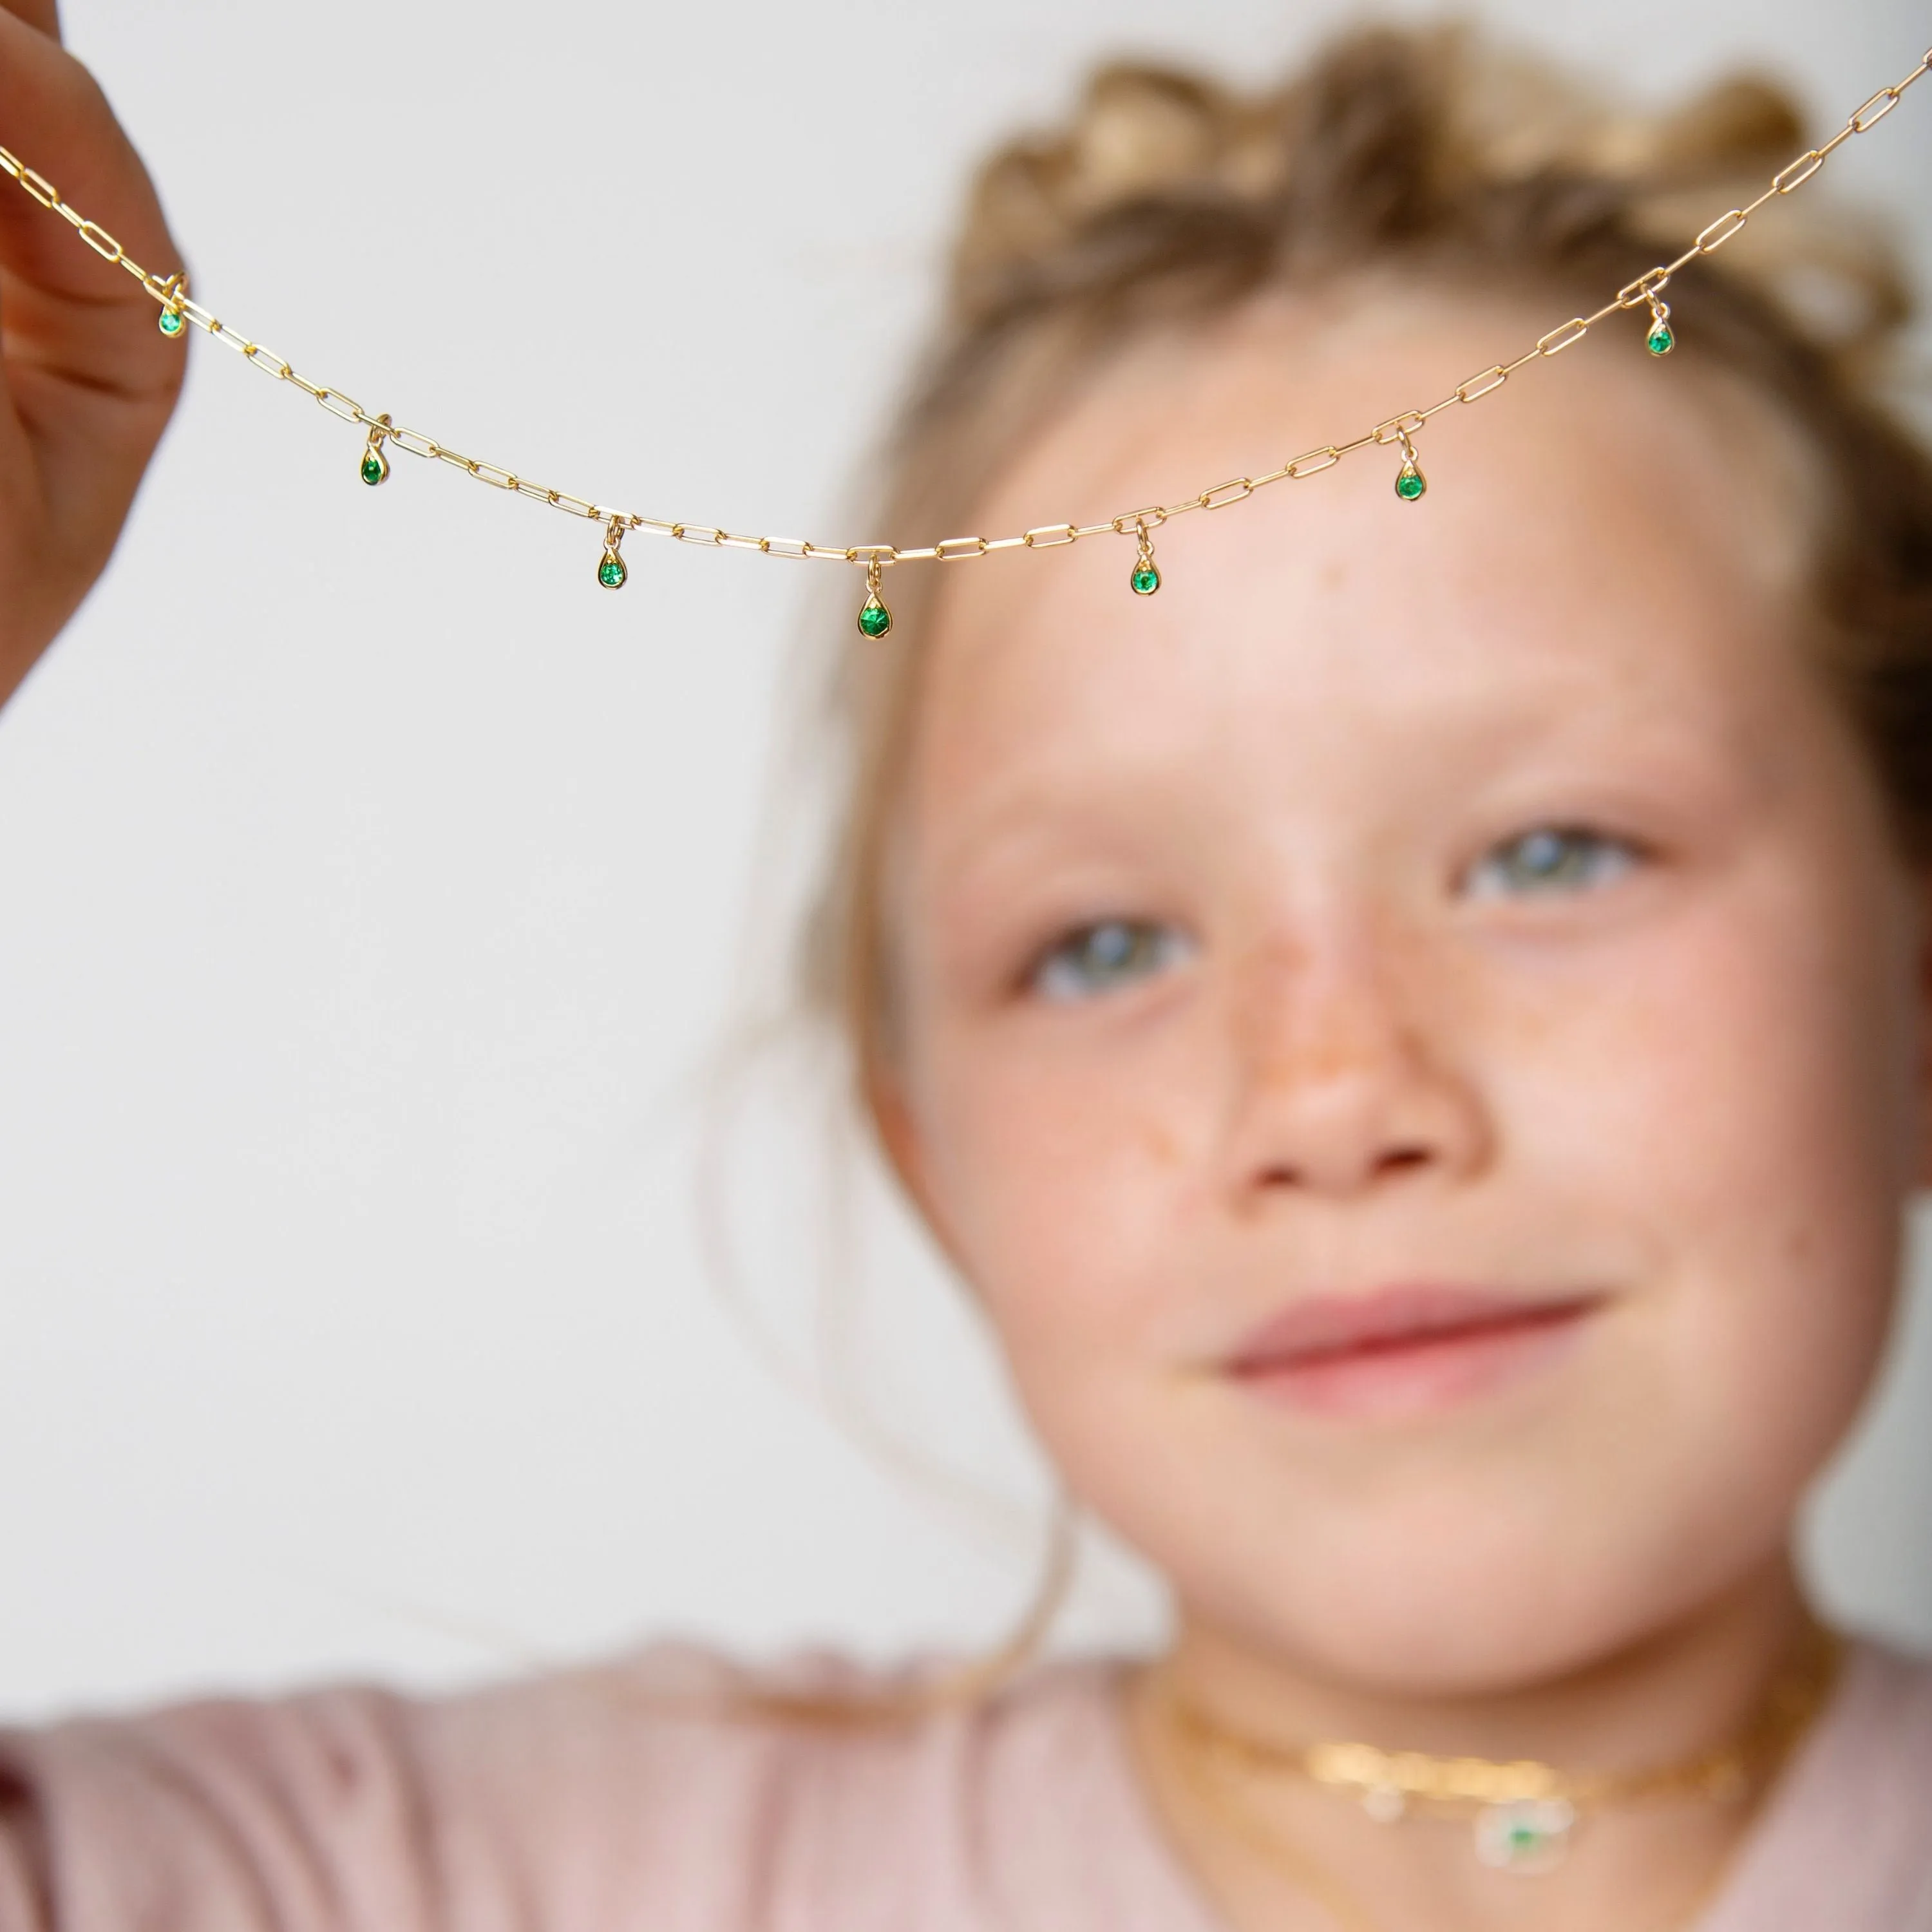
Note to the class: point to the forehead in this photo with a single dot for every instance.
(1604, 544)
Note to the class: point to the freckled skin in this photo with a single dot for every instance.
(1161, 1143)
(1697, 1086)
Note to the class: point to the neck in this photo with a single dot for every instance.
(1671, 1693)
(1669, 1696)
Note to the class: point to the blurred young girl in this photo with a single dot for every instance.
(1413, 1027)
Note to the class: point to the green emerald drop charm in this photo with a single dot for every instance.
(375, 465)
(1409, 481)
(1524, 1835)
(1659, 341)
(171, 322)
(1146, 579)
(875, 619)
(612, 570)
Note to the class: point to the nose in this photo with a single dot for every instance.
(1343, 1081)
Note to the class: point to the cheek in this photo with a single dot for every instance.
(1739, 1102)
(1066, 1163)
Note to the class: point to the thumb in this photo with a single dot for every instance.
(44, 14)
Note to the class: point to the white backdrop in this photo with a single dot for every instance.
(372, 882)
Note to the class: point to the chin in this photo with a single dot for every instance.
(1444, 1600)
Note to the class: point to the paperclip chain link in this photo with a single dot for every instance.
(168, 292)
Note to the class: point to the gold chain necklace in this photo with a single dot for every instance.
(875, 618)
(1341, 1904)
(1524, 1809)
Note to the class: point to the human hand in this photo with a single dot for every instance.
(87, 381)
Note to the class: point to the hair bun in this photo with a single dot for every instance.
(1743, 123)
(1388, 136)
(1515, 117)
(1140, 134)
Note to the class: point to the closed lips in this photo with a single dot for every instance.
(1399, 1315)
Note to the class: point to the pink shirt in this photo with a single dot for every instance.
(572, 1803)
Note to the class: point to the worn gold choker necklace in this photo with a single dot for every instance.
(1524, 1810)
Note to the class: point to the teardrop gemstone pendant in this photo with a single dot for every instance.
(1409, 481)
(875, 619)
(1145, 576)
(375, 465)
(613, 572)
(171, 321)
(1661, 340)
(1524, 1835)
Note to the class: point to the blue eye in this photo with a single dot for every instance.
(1564, 857)
(1094, 958)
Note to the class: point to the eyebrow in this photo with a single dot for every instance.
(1649, 730)
(1034, 803)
